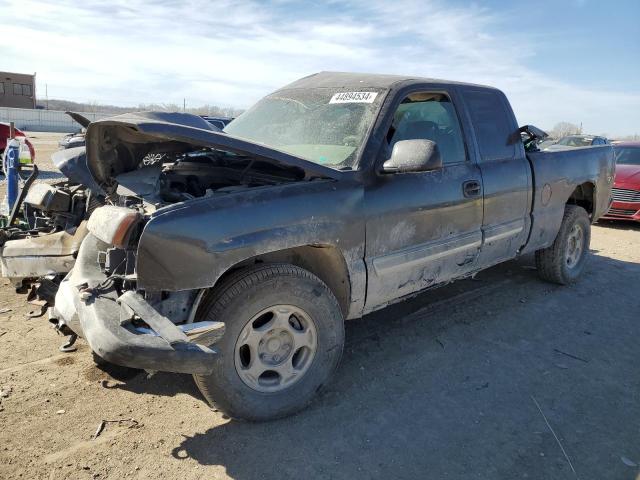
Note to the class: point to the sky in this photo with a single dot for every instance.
(572, 60)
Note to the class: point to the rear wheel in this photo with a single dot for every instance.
(564, 260)
(283, 339)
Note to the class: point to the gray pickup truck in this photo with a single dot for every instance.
(237, 255)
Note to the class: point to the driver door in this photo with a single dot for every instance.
(423, 228)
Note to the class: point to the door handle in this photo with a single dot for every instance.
(471, 188)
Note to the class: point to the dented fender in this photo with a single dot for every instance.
(191, 245)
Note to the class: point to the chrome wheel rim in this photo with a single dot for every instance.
(575, 246)
(275, 348)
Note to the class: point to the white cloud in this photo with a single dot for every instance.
(232, 52)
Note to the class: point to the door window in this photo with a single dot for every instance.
(429, 116)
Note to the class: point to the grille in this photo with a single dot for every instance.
(625, 195)
(621, 212)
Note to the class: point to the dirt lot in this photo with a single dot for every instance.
(499, 377)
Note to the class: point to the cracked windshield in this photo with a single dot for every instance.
(323, 125)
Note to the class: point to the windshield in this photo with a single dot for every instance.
(576, 141)
(324, 125)
(628, 156)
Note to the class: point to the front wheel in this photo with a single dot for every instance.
(284, 334)
(564, 260)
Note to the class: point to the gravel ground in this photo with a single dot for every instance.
(499, 377)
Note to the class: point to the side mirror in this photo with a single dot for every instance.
(410, 156)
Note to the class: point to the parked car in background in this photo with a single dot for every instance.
(218, 122)
(626, 186)
(576, 141)
(76, 139)
(20, 135)
(546, 143)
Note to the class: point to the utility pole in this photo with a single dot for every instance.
(184, 104)
(33, 92)
(46, 94)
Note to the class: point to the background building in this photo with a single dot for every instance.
(17, 90)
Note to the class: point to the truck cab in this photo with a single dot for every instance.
(472, 211)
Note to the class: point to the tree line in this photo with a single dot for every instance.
(68, 105)
(562, 129)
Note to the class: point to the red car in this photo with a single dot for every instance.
(4, 135)
(626, 186)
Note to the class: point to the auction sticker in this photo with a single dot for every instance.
(354, 97)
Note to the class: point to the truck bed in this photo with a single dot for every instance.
(561, 175)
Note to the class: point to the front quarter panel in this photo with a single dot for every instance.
(190, 245)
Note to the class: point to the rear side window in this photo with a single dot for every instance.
(491, 123)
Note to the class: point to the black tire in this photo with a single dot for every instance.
(552, 261)
(241, 297)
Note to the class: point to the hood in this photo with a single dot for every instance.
(72, 162)
(628, 174)
(81, 119)
(117, 144)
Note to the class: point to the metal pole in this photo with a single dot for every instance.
(13, 164)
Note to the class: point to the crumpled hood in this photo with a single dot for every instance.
(72, 163)
(628, 174)
(81, 119)
(117, 144)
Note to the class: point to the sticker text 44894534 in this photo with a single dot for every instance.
(354, 97)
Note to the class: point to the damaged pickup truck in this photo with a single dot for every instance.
(237, 255)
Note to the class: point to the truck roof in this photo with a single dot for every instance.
(367, 80)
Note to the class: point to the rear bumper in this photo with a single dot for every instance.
(623, 211)
(103, 321)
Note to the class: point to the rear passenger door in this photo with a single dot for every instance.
(506, 175)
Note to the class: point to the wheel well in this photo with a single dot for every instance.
(326, 262)
(583, 196)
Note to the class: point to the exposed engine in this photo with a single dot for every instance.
(166, 178)
(122, 178)
(49, 209)
(52, 208)
(160, 180)
(40, 248)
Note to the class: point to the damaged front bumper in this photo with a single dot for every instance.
(103, 318)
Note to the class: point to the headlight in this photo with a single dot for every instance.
(113, 225)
